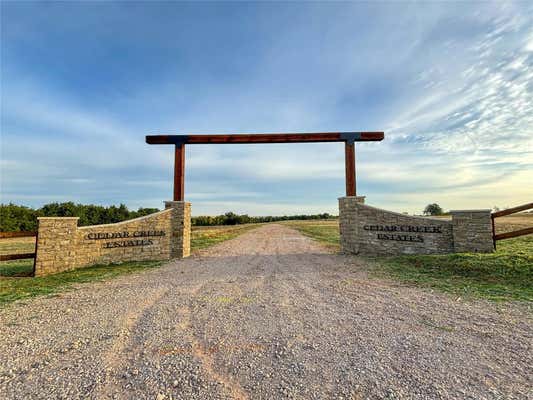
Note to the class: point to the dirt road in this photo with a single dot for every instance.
(268, 315)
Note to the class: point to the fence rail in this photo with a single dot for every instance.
(508, 235)
(17, 256)
(512, 210)
(512, 234)
(8, 235)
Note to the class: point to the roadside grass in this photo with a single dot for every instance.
(16, 285)
(506, 274)
(206, 236)
(13, 289)
(16, 268)
(325, 231)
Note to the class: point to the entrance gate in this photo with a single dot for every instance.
(179, 142)
(61, 245)
(363, 229)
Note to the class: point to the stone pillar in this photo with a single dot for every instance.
(181, 228)
(56, 242)
(347, 223)
(472, 231)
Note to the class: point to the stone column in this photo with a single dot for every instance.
(347, 223)
(472, 231)
(181, 228)
(56, 241)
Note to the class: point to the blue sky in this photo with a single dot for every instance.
(451, 84)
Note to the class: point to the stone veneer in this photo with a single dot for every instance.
(63, 246)
(472, 231)
(373, 231)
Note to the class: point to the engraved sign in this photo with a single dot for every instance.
(402, 233)
(129, 239)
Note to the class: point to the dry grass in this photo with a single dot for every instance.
(507, 223)
(17, 245)
(513, 222)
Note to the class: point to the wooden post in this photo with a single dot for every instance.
(179, 172)
(493, 231)
(349, 150)
(349, 138)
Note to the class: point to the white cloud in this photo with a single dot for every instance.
(453, 91)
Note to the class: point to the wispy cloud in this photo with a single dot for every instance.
(452, 88)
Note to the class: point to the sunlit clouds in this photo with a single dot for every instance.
(450, 84)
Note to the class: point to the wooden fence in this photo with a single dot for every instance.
(512, 234)
(17, 256)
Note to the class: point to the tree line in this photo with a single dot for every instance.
(231, 218)
(21, 218)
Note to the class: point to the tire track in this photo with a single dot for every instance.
(207, 361)
(116, 355)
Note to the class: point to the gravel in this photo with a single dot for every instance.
(268, 315)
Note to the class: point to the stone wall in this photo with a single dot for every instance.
(62, 246)
(373, 231)
(348, 226)
(55, 245)
(181, 228)
(369, 230)
(472, 231)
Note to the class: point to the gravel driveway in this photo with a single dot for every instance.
(268, 315)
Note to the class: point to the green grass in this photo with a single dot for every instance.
(16, 268)
(16, 285)
(506, 274)
(12, 289)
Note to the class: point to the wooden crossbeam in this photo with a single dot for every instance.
(246, 138)
(349, 138)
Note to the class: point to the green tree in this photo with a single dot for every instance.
(17, 218)
(142, 211)
(230, 218)
(433, 209)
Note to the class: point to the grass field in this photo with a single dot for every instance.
(14, 284)
(506, 274)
